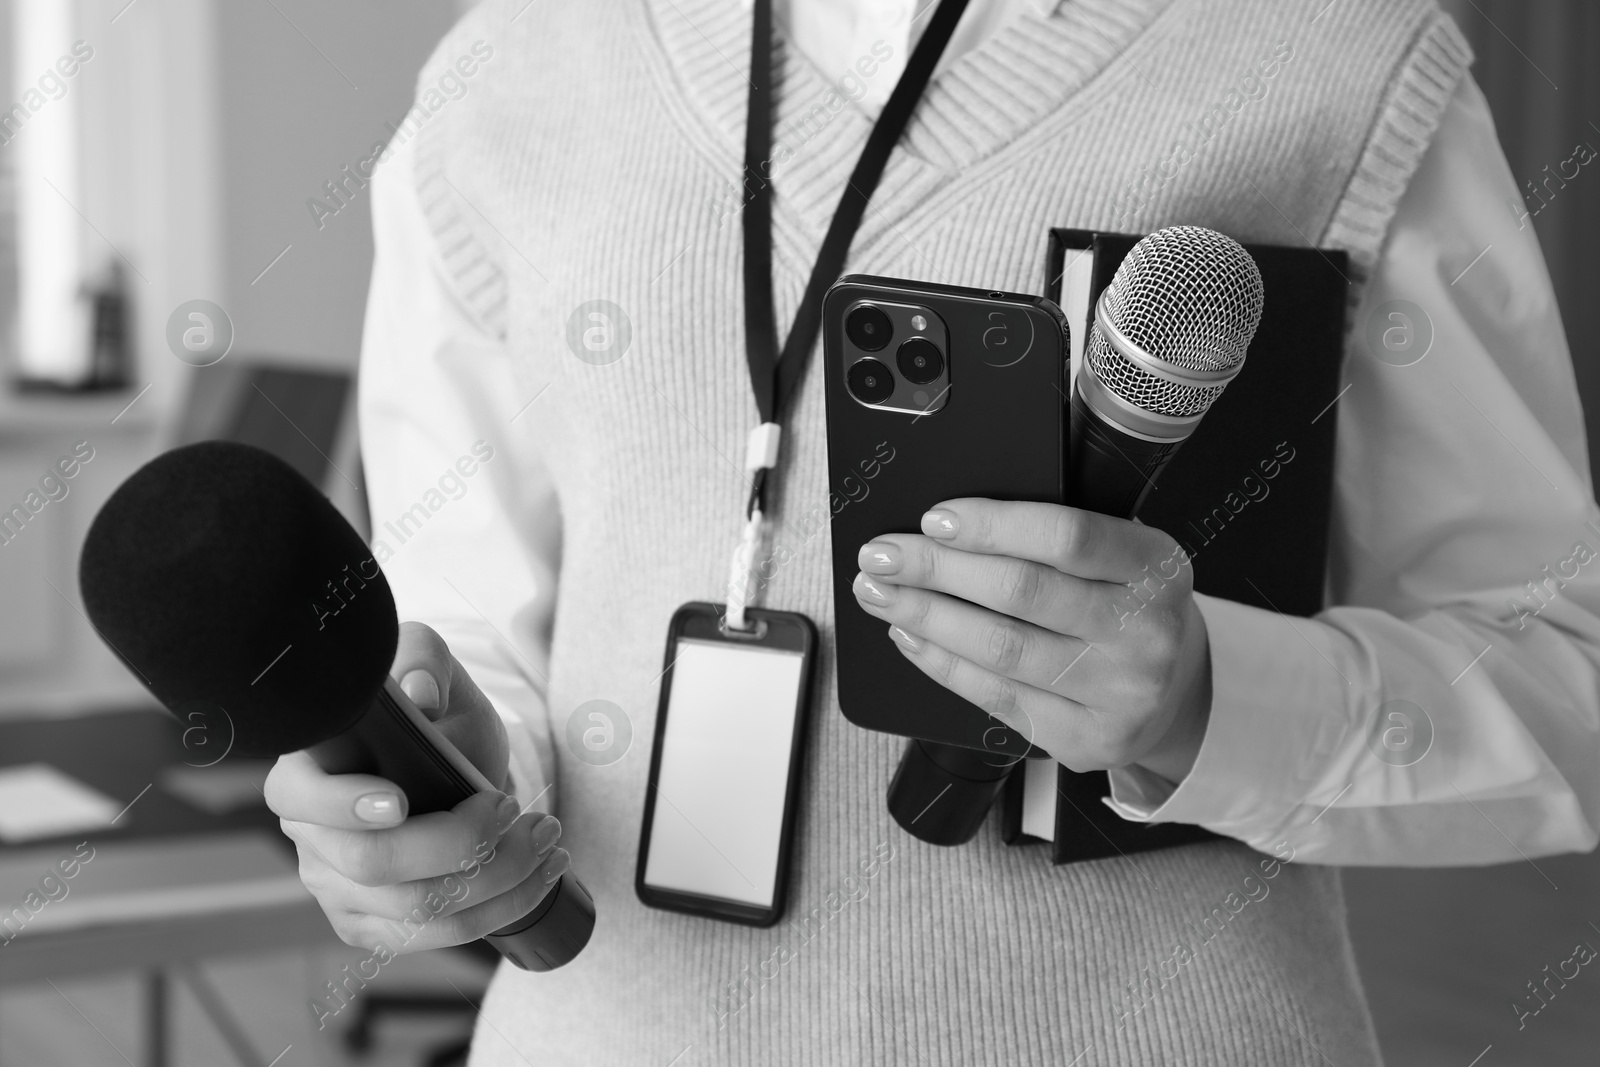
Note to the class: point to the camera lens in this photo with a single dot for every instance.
(868, 328)
(870, 381)
(920, 361)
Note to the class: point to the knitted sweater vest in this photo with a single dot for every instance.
(598, 157)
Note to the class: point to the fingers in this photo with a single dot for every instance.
(424, 668)
(1066, 729)
(1022, 589)
(496, 868)
(1072, 541)
(424, 846)
(428, 881)
(420, 932)
(300, 791)
(999, 644)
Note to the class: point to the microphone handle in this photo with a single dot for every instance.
(395, 740)
(940, 793)
(1109, 471)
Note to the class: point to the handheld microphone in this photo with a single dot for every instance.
(1170, 332)
(245, 603)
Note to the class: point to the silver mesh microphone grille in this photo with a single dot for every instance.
(1189, 300)
(1144, 390)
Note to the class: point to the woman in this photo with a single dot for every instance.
(596, 158)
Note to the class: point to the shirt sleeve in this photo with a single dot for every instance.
(1447, 710)
(465, 520)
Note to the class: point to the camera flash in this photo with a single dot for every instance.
(919, 323)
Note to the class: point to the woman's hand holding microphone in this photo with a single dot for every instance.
(455, 875)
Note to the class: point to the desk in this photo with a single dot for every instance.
(168, 885)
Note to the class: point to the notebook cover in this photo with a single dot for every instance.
(1256, 539)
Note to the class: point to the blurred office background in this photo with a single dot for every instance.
(175, 165)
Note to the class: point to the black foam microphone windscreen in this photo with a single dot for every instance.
(220, 576)
(248, 606)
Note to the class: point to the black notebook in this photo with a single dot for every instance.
(1248, 496)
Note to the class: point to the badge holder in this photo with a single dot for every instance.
(724, 786)
(730, 725)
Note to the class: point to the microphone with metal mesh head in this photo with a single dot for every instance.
(1170, 333)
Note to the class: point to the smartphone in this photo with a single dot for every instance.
(720, 806)
(965, 391)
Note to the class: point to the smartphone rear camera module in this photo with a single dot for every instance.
(868, 328)
(894, 356)
(870, 381)
(920, 361)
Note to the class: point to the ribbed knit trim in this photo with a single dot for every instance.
(1415, 104)
(1030, 67)
(987, 97)
(463, 240)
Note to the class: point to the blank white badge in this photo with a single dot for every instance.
(718, 819)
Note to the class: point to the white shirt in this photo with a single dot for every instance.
(1457, 479)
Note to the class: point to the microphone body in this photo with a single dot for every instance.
(246, 604)
(1108, 470)
(941, 794)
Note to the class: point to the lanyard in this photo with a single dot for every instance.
(775, 373)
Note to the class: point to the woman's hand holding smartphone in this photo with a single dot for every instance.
(1077, 630)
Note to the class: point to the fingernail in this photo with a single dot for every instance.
(506, 812)
(940, 524)
(546, 832)
(561, 867)
(867, 589)
(379, 808)
(421, 688)
(904, 640)
(880, 557)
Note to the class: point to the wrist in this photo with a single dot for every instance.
(1173, 756)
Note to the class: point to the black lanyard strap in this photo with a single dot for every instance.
(774, 374)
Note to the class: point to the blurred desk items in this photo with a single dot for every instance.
(185, 867)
